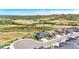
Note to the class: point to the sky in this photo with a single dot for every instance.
(37, 11)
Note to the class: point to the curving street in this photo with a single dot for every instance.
(32, 44)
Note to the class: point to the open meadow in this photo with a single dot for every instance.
(17, 27)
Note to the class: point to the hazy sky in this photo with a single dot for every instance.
(37, 11)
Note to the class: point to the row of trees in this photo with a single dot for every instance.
(52, 17)
(8, 22)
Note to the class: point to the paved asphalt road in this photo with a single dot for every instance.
(31, 43)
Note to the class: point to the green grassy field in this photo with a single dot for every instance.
(17, 27)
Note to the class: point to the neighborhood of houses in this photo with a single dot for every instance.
(55, 33)
(67, 38)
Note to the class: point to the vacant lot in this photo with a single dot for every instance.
(8, 36)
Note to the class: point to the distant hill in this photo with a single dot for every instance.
(33, 17)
